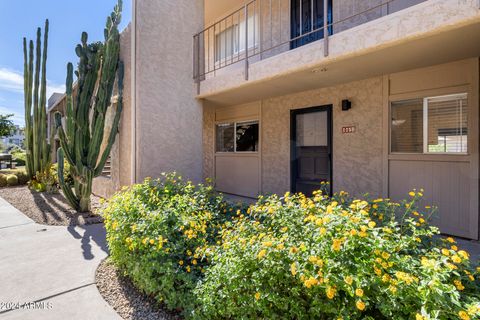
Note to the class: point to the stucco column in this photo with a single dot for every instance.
(168, 117)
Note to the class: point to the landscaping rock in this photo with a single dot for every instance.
(49, 208)
(127, 300)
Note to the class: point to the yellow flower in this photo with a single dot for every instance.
(257, 296)
(293, 269)
(310, 282)
(194, 262)
(359, 292)
(280, 246)
(323, 231)
(188, 268)
(451, 240)
(418, 316)
(445, 252)
(454, 248)
(180, 262)
(262, 254)
(421, 220)
(267, 244)
(293, 250)
(463, 315)
(360, 305)
(459, 285)
(411, 194)
(353, 232)
(349, 280)
(456, 259)
(463, 254)
(152, 241)
(372, 224)
(363, 234)
(331, 291)
(337, 244)
(385, 255)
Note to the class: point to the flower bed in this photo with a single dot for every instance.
(291, 257)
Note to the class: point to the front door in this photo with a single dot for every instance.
(311, 159)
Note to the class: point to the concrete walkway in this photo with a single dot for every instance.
(49, 271)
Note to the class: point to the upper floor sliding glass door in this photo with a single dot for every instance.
(307, 19)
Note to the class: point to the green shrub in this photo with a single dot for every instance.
(3, 180)
(20, 158)
(323, 258)
(12, 180)
(21, 175)
(155, 231)
(288, 258)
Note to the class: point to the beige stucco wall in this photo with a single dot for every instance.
(356, 155)
(168, 117)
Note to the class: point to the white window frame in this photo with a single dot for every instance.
(425, 125)
(235, 136)
(238, 44)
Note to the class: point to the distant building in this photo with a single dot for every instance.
(16, 138)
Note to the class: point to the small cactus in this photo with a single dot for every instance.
(81, 139)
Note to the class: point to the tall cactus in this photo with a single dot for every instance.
(35, 90)
(81, 139)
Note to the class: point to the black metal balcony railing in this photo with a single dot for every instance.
(264, 28)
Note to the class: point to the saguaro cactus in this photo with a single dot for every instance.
(81, 140)
(36, 144)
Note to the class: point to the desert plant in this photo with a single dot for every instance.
(21, 175)
(3, 180)
(36, 142)
(12, 180)
(45, 181)
(86, 141)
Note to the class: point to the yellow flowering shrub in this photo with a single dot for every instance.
(155, 231)
(336, 258)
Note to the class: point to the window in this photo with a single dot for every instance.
(231, 40)
(247, 136)
(306, 16)
(237, 137)
(225, 137)
(430, 125)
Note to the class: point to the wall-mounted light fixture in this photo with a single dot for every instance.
(346, 105)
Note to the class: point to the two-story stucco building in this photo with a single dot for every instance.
(268, 96)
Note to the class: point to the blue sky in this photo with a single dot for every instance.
(68, 18)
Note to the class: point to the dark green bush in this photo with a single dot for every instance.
(3, 180)
(155, 233)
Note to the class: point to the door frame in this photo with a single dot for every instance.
(293, 141)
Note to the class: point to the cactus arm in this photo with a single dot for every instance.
(28, 105)
(36, 116)
(44, 157)
(70, 134)
(66, 188)
(63, 139)
(116, 121)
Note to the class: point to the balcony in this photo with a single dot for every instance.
(274, 40)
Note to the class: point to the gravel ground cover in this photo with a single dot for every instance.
(49, 209)
(125, 299)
